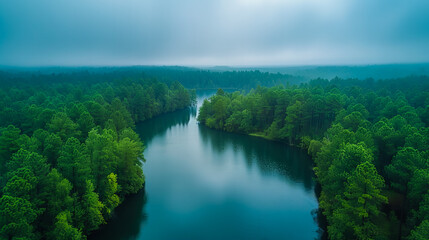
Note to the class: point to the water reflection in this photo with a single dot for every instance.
(130, 217)
(130, 210)
(193, 111)
(268, 156)
(208, 184)
(160, 125)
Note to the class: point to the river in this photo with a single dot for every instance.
(208, 184)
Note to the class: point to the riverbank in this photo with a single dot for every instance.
(208, 179)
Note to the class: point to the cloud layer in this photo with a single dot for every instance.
(213, 32)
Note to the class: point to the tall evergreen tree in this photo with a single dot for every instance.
(357, 217)
(74, 163)
(130, 155)
(89, 211)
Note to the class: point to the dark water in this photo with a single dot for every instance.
(207, 184)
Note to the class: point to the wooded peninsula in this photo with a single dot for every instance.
(369, 141)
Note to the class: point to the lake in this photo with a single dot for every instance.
(207, 184)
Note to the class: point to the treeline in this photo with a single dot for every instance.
(192, 78)
(68, 151)
(369, 140)
(205, 79)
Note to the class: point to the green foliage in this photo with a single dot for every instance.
(239, 121)
(32, 161)
(358, 132)
(74, 163)
(130, 155)
(89, 211)
(22, 184)
(63, 181)
(64, 230)
(403, 166)
(293, 120)
(280, 113)
(9, 142)
(62, 125)
(314, 148)
(111, 200)
(51, 147)
(16, 218)
(418, 186)
(8, 145)
(86, 123)
(101, 149)
(421, 232)
(60, 194)
(353, 121)
(360, 206)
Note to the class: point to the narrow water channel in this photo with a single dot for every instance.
(207, 184)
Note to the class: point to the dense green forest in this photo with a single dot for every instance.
(362, 72)
(68, 151)
(369, 141)
(203, 79)
(191, 78)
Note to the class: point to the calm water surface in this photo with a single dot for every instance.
(207, 184)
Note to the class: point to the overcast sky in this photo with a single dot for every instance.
(213, 32)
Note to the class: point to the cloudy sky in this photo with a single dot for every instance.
(213, 32)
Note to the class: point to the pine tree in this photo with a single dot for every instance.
(74, 163)
(356, 218)
(89, 212)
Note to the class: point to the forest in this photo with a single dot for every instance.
(69, 153)
(369, 141)
(192, 78)
(68, 150)
(214, 120)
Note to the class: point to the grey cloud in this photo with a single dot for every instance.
(192, 32)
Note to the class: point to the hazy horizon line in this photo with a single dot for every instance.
(211, 66)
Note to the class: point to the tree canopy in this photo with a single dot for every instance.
(68, 151)
(369, 141)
